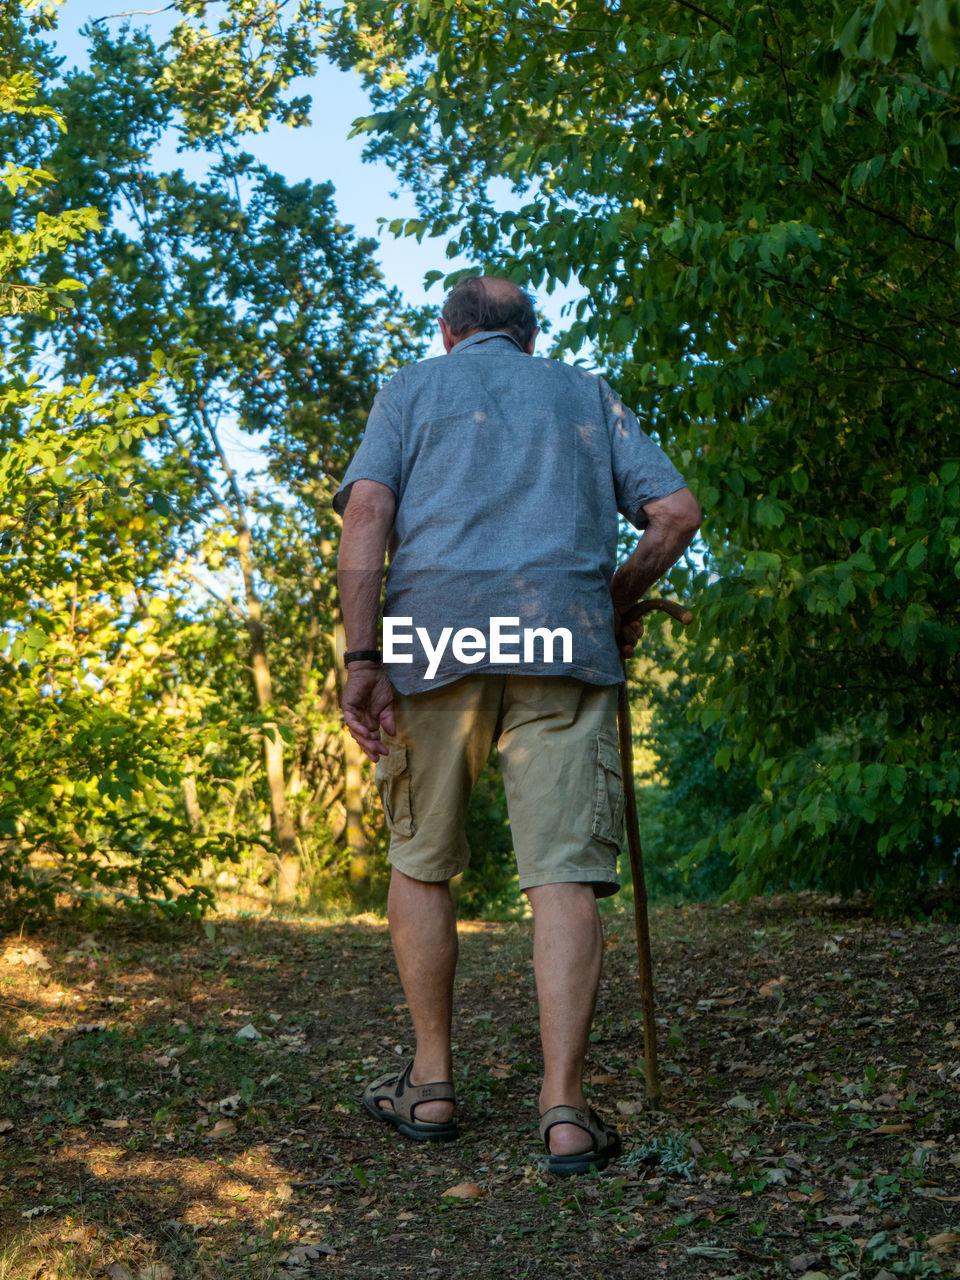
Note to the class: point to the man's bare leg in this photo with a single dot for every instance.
(567, 955)
(423, 929)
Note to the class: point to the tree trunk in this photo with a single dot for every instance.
(283, 830)
(353, 799)
(194, 814)
(188, 780)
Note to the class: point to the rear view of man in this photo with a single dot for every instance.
(496, 478)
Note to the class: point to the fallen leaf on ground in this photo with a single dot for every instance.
(222, 1128)
(310, 1251)
(117, 1271)
(803, 1262)
(629, 1108)
(773, 987)
(30, 957)
(157, 1271)
(249, 1032)
(464, 1191)
(116, 1124)
(36, 1211)
(944, 1241)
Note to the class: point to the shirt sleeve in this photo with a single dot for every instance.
(642, 472)
(379, 455)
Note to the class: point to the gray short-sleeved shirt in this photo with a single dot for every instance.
(509, 472)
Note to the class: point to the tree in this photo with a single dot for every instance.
(85, 749)
(276, 322)
(760, 204)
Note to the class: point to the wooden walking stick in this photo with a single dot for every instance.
(625, 733)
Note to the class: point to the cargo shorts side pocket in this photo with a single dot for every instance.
(392, 778)
(608, 796)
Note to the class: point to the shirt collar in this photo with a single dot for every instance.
(484, 336)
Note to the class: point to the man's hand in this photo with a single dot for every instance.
(627, 633)
(367, 705)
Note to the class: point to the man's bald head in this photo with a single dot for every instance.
(481, 303)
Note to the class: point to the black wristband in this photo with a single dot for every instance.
(362, 655)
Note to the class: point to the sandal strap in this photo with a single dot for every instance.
(397, 1088)
(588, 1121)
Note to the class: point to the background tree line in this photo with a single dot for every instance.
(169, 676)
(762, 210)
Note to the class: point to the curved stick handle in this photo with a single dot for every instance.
(678, 611)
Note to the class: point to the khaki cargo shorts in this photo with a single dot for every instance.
(557, 739)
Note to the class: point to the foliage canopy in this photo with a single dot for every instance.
(762, 206)
(169, 618)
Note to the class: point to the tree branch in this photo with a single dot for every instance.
(227, 604)
(880, 213)
(240, 514)
(200, 473)
(865, 336)
(914, 83)
(134, 13)
(685, 4)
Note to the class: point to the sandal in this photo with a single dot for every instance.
(405, 1097)
(606, 1141)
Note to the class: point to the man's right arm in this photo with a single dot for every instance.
(673, 523)
(367, 701)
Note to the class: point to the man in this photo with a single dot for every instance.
(496, 479)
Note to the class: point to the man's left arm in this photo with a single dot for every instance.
(367, 700)
(672, 524)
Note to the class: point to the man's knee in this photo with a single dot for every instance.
(562, 895)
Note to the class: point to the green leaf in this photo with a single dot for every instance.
(769, 513)
(881, 38)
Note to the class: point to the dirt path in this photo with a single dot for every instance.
(176, 1105)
